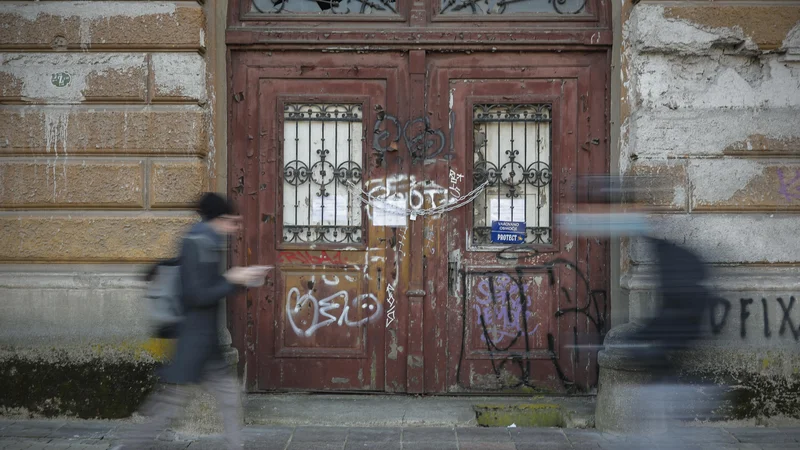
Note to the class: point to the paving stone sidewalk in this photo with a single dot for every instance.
(97, 435)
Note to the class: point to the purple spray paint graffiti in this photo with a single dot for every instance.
(790, 190)
(500, 308)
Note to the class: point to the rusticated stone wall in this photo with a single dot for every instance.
(107, 136)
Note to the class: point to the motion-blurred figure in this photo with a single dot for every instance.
(682, 301)
(198, 357)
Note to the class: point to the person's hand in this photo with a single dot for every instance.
(238, 275)
(257, 275)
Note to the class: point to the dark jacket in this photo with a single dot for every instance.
(684, 298)
(203, 288)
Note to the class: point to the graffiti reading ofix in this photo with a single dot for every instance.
(721, 307)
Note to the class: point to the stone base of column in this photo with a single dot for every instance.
(625, 402)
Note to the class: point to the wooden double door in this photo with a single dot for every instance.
(372, 182)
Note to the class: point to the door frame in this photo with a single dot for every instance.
(424, 368)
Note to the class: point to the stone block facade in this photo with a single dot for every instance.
(711, 103)
(112, 121)
(106, 139)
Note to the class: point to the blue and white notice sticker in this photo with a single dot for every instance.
(508, 232)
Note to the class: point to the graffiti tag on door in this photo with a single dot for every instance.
(313, 305)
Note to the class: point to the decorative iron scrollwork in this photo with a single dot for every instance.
(512, 155)
(337, 7)
(421, 140)
(349, 172)
(323, 144)
(487, 7)
(538, 174)
(295, 173)
(322, 234)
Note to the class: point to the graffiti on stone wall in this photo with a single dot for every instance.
(721, 309)
(789, 188)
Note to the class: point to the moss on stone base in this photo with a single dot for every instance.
(92, 388)
(527, 415)
(753, 395)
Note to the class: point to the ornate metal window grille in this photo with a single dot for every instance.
(322, 150)
(325, 6)
(512, 152)
(507, 7)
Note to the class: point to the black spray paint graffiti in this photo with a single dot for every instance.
(511, 291)
(719, 319)
(422, 141)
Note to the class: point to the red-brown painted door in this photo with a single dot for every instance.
(306, 131)
(414, 302)
(520, 316)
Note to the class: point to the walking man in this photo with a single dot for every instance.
(198, 358)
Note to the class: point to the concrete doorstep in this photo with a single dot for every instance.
(360, 410)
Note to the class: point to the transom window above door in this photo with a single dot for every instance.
(512, 153)
(488, 8)
(322, 153)
(333, 7)
(511, 7)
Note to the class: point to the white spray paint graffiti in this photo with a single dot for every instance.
(56, 123)
(407, 188)
(390, 299)
(326, 309)
(401, 245)
(390, 287)
(330, 282)
(455, 180)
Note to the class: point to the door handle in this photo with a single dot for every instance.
(452, 277)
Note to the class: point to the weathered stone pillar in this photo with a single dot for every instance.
(709, 103)
(624, 402)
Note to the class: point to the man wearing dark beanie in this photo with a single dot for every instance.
(198, 357)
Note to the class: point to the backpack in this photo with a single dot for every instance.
(164, 297)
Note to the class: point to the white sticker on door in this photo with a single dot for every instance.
(330, 210)
(506, 209)
(390, 212)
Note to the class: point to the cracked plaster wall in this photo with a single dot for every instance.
(711, 102)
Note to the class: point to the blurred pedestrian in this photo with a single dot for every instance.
(198, 356)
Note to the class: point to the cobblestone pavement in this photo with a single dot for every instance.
(97, 435)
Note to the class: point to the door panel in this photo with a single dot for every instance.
(323, 328)
(519, 316)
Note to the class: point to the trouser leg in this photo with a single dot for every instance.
(223, 385)
(161, 408)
